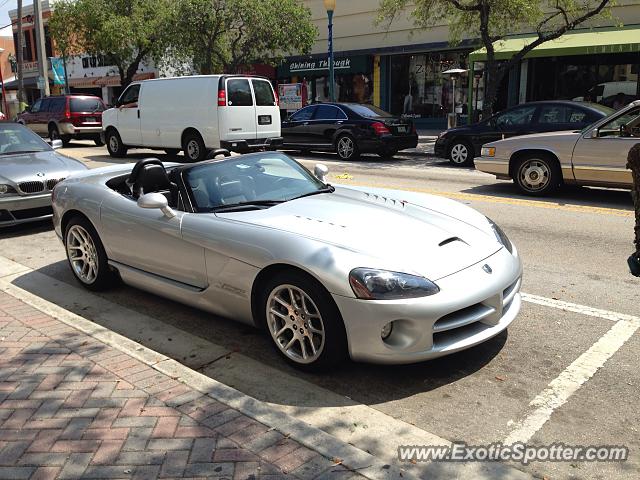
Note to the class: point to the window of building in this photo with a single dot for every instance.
(47, 42)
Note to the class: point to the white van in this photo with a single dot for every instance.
(194, 114)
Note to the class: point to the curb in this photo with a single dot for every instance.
(352, 458)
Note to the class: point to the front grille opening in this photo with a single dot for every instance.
(460, 318)
(31, 187)
(446, 338)
(5, 216)
(53, 182)
(32, 213)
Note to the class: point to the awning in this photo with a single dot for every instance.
(106, 81)
(29, 82)
(578, 42)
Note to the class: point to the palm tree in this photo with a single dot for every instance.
(633, 163)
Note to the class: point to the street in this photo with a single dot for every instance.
(566, 371)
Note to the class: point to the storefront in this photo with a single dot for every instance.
(598, 65)
(354, 77)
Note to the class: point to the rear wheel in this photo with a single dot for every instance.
(461, 153)
(193, 147)
(304, 322)
(98, 141)
(346, 147)
(86, 255)
(54, 134)
(537, 174)
(114, 144)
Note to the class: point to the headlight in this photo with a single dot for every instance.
(501, 236)
(6, 189)
(488, 152)
(372, 284)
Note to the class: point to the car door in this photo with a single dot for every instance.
(322, 127)
(267, 110)
(510, 123)
(295, 130)
(238, 118)
(129, 126)
(600, 156)
(149, 241)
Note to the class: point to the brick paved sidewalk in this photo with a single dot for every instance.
(74, 407)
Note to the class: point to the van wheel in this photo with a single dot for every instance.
(114, 144)
(193, 147)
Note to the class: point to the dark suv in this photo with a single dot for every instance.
(66, 117)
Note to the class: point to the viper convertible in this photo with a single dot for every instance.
(328, 271)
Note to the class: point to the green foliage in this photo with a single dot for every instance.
(221, 35)
(128, 31)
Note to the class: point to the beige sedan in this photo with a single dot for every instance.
(594, 156)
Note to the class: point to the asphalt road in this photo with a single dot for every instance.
(562, 373)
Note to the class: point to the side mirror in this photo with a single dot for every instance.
(595, 133)
(156, 201)
(56, 144)
(321, 171)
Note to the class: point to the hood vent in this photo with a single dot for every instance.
(320, 221)
(451, 240)
(388, 201)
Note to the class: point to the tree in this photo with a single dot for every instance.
(228, 34)
(128, 32)
(492, 20)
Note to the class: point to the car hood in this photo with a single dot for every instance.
(37, 166)
(539, 138)
(413, 238)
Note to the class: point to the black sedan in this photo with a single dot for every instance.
(461, 144)
(349, 129)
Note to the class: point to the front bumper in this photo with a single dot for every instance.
(15, 210)
(495, 166)
(471, 307)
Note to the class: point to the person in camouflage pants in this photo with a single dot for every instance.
(633, 163)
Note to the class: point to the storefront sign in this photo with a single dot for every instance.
(290, 96)
(320, 66)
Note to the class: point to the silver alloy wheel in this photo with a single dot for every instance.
(114, 144)
(193, 149)
(295, 324)
(459, 153)
(345, 147)
(82, 254)
(534, 175)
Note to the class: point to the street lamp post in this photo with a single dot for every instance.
(330, 6)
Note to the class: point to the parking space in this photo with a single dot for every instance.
(477, 396)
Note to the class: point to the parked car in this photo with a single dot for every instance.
(194, 114)
(349, 129)
(461, 144)
(260, 239)
(66, 117)
(29, 169)
(594, 156)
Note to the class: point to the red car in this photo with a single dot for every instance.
(66, 117)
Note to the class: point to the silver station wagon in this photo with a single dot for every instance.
(594, 156)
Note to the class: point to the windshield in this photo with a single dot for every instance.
(261, 179)
(615, 121)
(15, 138)
(368, 111)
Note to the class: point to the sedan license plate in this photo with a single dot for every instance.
(402, 129)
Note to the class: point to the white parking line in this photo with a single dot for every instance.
(580, 371)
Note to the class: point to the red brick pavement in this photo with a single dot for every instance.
(74, 407)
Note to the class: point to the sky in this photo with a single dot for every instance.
(5, 6)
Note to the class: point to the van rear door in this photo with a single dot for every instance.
(267, 110)
(238, 118)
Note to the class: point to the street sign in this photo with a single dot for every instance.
(41, 83)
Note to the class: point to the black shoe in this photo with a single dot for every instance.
(634, 265)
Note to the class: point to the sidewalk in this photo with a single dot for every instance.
(72, 406)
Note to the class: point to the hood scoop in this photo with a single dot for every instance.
(451, 240)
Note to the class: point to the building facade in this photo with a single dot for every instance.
(86, 74)
(401, 69)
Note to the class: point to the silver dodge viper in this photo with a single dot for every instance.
(328, 271)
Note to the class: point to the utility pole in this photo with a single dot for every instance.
(43, 61)
(20, 58)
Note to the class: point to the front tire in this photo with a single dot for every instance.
(347, 148)
(86, 255)
(114, 144)
(461, 153)
(304, 323)
(193, 147)
(537, 175)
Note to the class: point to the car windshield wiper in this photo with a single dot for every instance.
(327, 189)
(246, 205)
(21, 152)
